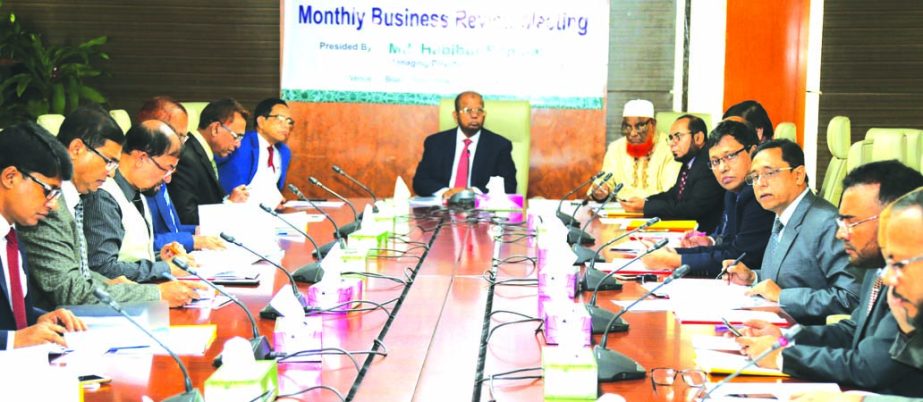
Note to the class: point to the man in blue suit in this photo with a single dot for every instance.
(32, 165)
(805, 268)
(263, 159)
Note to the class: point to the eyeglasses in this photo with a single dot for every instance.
(233, 133)
(284, 119)
(667, 376)
(847, 227)
(898, 266)
(472, 111)
(715, 163)
(111, 163)
(757, 178)
(677, 136)
(167, 172)
(641, 127)
(51, 193)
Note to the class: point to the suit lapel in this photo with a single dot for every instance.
(254, 155)
(790, 233)
(206, 164)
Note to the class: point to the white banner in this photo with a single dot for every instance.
(552, 52)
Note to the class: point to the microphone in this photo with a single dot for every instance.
(322, 251)
(191, 394)
(350, 227)
(592, 277)
(600, 317)
(259, 344)
(787, 339)
(310, 273)
(565, 218)
(337, 170)
(579, 235)
(586, 200)
(614, 366)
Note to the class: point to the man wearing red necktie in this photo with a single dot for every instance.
(32, 165)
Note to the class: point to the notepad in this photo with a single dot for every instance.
(717, 362)
(182, 339)
(782, 391)
(299, 204)
(695, 315)
(635, 268)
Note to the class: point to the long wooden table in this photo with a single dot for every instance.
(432, 342)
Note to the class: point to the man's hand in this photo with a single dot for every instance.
(120, 280)
(239, 194)
(666, 257)
(768, 288)
(207, 243)
(693, 238)
(754, 346)
(40, 333)
(633, 204)
(178, 293)
(65, 318)
(900, 313)
(452, 191)
(739, 274)
(601, 192)
(760, 328)
(826, 396)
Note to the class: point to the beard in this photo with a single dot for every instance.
(917, 320)
(640, 150)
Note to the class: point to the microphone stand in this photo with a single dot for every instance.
(614, 366)
(338, 170)
(565, 218)
(310, 273)
(572, 218)
(579, 236)
(323, 250)
(592, 277)
(350, 227)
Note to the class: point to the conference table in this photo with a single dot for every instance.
(427, 345)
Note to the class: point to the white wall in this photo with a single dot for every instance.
(706, 56)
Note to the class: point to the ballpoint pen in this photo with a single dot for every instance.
(725, 269)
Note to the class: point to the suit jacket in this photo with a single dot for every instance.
(7, 321)
(855, 351)
(811, 266)
(194, 182)
(165, 221)
(745, 227)
(702, 197)
(54, 259)
(492, 158)
(240, 166)
(909, 349)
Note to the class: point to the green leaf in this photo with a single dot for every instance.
(57, 98)
(97, 41)
(22, 85)
(73, 94)
(91, 94)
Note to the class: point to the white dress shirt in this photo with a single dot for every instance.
(265, 176)
(459, 147)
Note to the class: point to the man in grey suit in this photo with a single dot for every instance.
(804, 267)
(855, 351)
(56, 247)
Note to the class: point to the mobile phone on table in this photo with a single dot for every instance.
(93, 379)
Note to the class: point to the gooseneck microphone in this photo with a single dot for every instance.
(310, 273)
(614, 366)
(191, 394)
(586, 200)
(323, 250)
(579, 235)
(339, 171)
(600, 318)
(258, 343)
(787, 339)
(592, 277)
(565, 218)
(350, 227)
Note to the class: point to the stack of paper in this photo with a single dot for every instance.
(634, 268)
(712, 361)
(766, 391)
(298, 204)
(735, 317)
(119, 337)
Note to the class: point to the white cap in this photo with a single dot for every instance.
(638, 108)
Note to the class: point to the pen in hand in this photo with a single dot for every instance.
(731, 328)
(724, 270)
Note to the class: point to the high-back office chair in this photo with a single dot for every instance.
(193, 110)
(860, 153)
(909, 144)
(666, 119)
(887, 147)
(786, 130)
(121, 118)
(51, 122)
(838, 142)
(512, 120)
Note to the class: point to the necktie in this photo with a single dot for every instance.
(682, 183)
(774, 239)
(17, 299)
(461, 175)
(138, 204)
(876, 289)
(81, 239)
(271, 152)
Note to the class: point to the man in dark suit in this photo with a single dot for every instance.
(466, 156)
(745, 225)
(32, 165)
(855, 351)
(804, 267)
(221, 126)
(696, 194)
(263, 158)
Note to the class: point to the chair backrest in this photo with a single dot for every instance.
(914, 148)
(786, 130)
(887, 147)
(51, 122)
(860, 153)
(510, 118)
(838, 142)
(193, 110)
(666, 119)
(121, 118)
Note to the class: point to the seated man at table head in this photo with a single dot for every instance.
(116, 221)
(855, 351)
(221, 126)
(744, 226)
(805, 268)
(263, 158)
(640, 160)
(165, 219)
(464, 157)
(56, 246)
(752, 112)
(696, 194)
(32, 165)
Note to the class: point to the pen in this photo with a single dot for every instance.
(119, 348)
(735, 262)
(731, 327)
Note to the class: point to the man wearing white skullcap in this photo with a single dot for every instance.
(640, 160)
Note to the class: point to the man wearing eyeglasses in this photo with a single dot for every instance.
(464, 157)
(696, 194)
(221, 126)
(117, 220)
(263, 158)
(56, 246)
(855, 351)
(640, 160)
(805, 268)
(32, 165)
